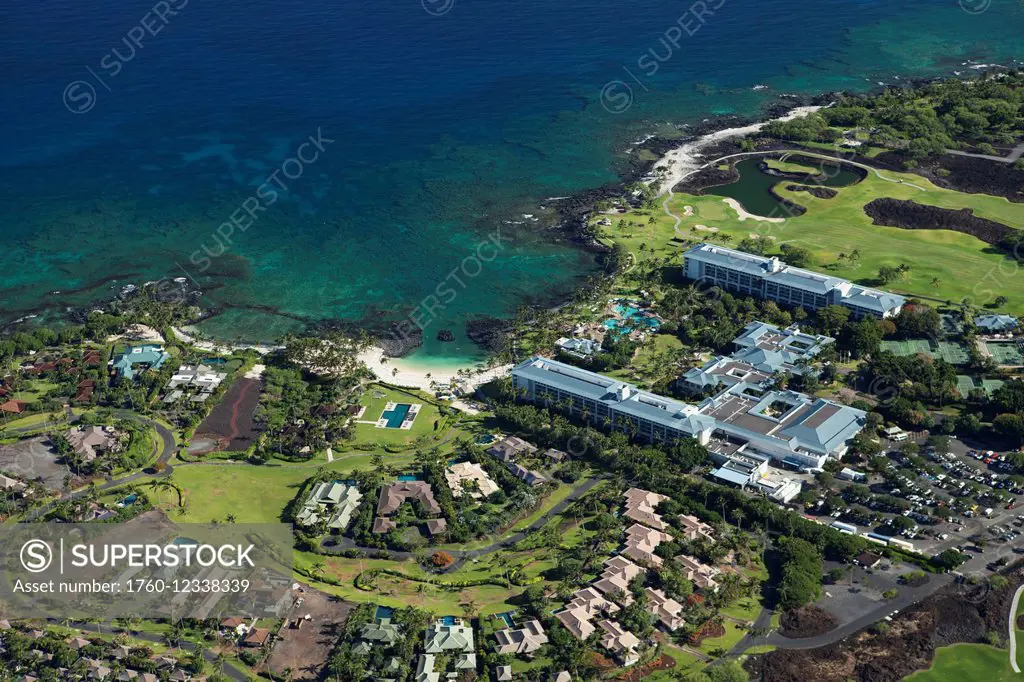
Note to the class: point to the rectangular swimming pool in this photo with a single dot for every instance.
(396, 415)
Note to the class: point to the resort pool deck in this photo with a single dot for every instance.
(631, 318)
(398, 416)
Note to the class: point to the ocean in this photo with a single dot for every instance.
(369, 162)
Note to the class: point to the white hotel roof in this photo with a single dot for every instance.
(624, 398)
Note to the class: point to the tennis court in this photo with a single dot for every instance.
(1006, 353)
(964, 384)
(952, 352)
(907, 347)
(990, 385)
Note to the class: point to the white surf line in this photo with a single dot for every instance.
(1013, 628)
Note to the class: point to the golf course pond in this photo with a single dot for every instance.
(753, 188)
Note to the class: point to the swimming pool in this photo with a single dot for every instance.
(396, 415)
(384, 612)
(507, 617)
(448, 620)
(407, 477)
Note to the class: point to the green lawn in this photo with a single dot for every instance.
(375, 399)
(253, 494)
(968, 663)
(943, 264)
(733, 634)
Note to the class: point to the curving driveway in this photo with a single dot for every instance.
(166, 448)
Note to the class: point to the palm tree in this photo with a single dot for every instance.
(739, 515)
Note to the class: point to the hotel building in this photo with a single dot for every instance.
(772, 279)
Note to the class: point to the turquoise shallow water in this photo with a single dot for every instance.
(444, 127)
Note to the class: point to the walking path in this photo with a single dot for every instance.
(1015, 154)
(1013, 628)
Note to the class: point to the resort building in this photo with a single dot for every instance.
(641, 543)
(665, 609)
(699, 574)
(396, 494)
(747, 418)
(606, 401)
(622, 643)
(772, 279)
(521, 641)
(334, 501)
(479, 483)
(770, 348)
(580, 348)
(614, 581)
(640, 506)
(149, 356)
(695, 529)
(995, 324)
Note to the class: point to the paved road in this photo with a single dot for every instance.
(99, 628)
(1015, 154)
(166, 447)
(908, 596)
(341, 544)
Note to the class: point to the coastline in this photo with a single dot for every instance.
(675, 165)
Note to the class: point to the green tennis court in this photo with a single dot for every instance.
(1006, 353)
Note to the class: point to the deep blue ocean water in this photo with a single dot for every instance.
(448, 120)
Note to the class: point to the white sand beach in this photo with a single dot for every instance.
(676, 164)
(417, 375)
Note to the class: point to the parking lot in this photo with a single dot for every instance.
(33, 459)
(933, 498)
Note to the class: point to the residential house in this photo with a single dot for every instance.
(531, 478)
(14, 406)
(396, 494)
(510, 448)
(452, 636)
(257, 637)
(334, 501)
(585, 605)
(148, 356)
(614, 582)
(480, 484)
(523, 640)
(13, 485)
(89, 442)
(556, 456)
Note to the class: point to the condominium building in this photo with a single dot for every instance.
(772, 279)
